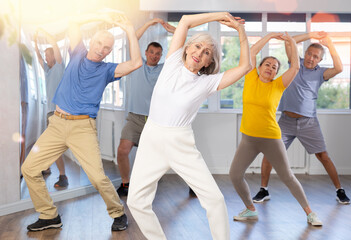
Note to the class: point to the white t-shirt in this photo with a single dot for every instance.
(179, 93)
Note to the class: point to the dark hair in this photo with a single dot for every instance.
(318, 46)
(154, 44)
(264, 59)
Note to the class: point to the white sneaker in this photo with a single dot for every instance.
(247, 214)
(313, 219)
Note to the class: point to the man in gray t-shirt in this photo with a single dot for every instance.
(54, 68)
(142, 82)
(299, 114)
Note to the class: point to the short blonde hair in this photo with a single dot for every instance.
(214, 67)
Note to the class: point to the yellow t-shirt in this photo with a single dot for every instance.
(260, 102)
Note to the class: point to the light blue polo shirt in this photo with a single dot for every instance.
(142, 83)
(53, 77)
(83, 83)
(301, 95)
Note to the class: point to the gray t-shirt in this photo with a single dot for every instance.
(142, 83)
(53, 77)
(301, 95)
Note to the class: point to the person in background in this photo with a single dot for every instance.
(54, 68)
(299, 116)
(142, 84)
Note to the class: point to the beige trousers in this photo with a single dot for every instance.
(81, 137)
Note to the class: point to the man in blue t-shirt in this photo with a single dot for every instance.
(53, 67)
(142, 85)
(73, 125)
(299, 114)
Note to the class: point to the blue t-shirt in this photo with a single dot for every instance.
(301, 95)
(142, 83)
(83, 83)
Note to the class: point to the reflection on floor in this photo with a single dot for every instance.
(76, 176)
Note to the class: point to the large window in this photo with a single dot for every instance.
(334, 94)
(113, 96)
(231, 97)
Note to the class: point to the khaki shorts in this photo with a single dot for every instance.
(133, 128)
(306, 129)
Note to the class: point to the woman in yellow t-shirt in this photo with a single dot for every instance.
(260, 130)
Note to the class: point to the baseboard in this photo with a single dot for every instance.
(56, 197)
(321, 171)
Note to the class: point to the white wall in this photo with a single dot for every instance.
(9, 122)
(217, 136)
(336, 6)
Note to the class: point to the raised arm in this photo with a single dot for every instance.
(337, 64)
(232, 75)
(53, 43)
(290, 74)
(304, 37)
(74, 32)
(167, 26)
(135, 61)
(190, 21)
(40, 58)
(257, 47)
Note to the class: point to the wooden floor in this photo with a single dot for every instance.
(183, 218)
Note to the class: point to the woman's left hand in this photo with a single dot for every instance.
(233, 22)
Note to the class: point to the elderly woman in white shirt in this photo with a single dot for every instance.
(190, 74)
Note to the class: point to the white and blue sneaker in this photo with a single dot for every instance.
(247, 215)
(313, 219)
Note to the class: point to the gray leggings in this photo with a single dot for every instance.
(274, 150)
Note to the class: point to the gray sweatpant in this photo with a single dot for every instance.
(274, 150)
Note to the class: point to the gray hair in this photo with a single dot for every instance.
(103, 33)
(214, 67)
(318, 46)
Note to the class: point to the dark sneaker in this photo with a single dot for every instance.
(341, 197)
(46, 172)
(62, 182)
(120, 223)
(191, 193)
(43, 224)
(123, 189)
(261, 196)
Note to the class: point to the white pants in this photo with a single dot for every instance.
(160, 149)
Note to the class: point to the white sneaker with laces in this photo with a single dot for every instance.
(313, 219)
(247, 214)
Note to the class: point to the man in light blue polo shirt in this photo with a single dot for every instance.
(73, 125)
(142, 83)
(299, 116)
